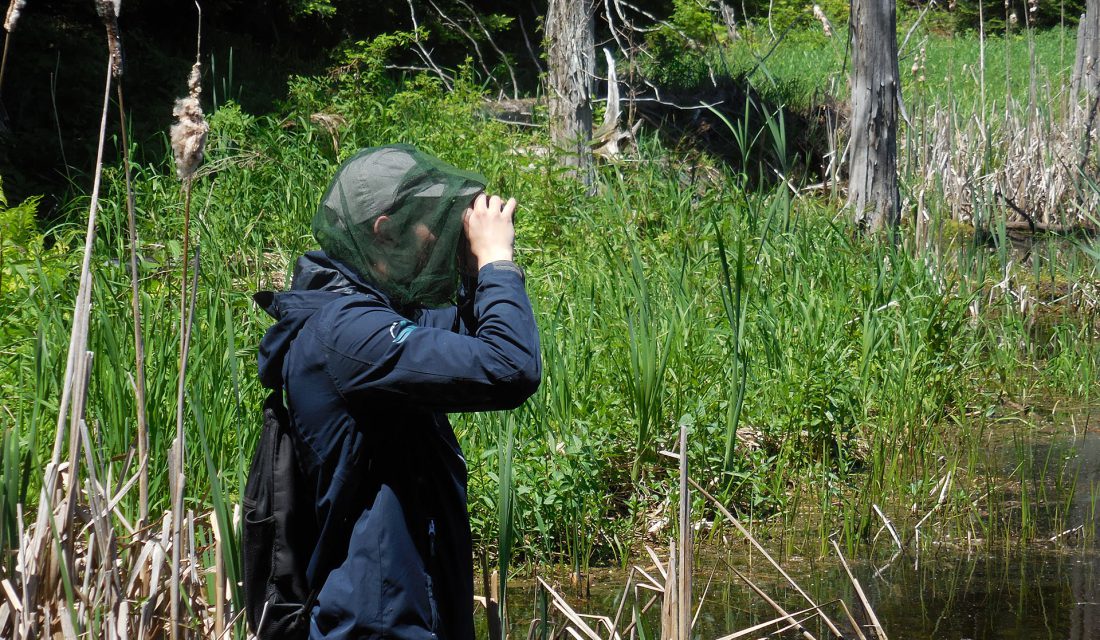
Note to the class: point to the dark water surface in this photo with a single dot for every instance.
(953, 596)
(1040, 589)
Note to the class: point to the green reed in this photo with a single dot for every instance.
(820, 372)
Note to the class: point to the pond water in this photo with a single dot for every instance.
(1043, 589)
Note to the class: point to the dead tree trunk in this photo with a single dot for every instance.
(570, 47)
(1085, 82)
(1086, 66)
(873, 148)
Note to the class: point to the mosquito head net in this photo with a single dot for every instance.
(394, 214)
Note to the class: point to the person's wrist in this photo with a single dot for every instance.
(495, 256)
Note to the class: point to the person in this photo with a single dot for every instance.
(371, 358)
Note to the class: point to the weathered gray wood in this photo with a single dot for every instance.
(570, 48)
(1086, 66)
(873, 177)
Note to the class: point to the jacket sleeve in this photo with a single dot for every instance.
(458, 318)
(371, 349)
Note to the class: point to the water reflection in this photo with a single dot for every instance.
(1044, 589)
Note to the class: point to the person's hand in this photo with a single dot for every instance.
(489, 230)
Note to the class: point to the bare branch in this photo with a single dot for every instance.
(477, 48)
(489, 37)
(425, 56)
(527, 41)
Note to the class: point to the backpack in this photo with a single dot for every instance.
(275, 553)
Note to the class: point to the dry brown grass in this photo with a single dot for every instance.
(1028, 162)
(93, 581)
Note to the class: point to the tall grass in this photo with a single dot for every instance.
(819, 374)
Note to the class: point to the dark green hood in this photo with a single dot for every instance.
(412, 259)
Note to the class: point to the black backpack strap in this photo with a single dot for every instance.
(275, 536)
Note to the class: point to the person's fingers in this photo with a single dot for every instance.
(494, 204)
(509, 208)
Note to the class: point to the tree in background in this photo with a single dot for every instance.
(1086, 67)
(873, 147)
(570, 54)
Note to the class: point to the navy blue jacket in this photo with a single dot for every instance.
(368, 387)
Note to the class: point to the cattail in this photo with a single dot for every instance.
(826, 26)
(918, 64)
(108, 11)
(188, 139)
(13, 14)
(189, 132)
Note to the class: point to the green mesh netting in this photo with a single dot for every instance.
(412, 258)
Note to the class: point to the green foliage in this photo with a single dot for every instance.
(810, 367)
(17, 224)
(697, 21)
(322, 8)
(21, 249)
(691, 29)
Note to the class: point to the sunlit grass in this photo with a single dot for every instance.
(819, 374)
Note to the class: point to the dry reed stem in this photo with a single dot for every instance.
(135, 305)
(812, 611)
(658, 563)
(759, 547)
(670, 604)
(41, 565)
(622, 601)
(879, 631)
(219, 576)
(687, 568)
(852, 621)
(672, 590)
(561, 605)
(889, 525)
(772, 603)
(1028, 166)
(100, 594)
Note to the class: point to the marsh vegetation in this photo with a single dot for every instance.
(893, 397)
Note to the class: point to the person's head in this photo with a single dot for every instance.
(394, 214)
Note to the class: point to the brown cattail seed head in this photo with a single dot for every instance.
(108, 11)
(13, 14)
(820, 16)
(189, 132)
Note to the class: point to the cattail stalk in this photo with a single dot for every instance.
(139, 340)
(10, 19)
(219, 576)
(175, 468)
(188, 137)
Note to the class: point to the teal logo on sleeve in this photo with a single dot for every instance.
(400, 331)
